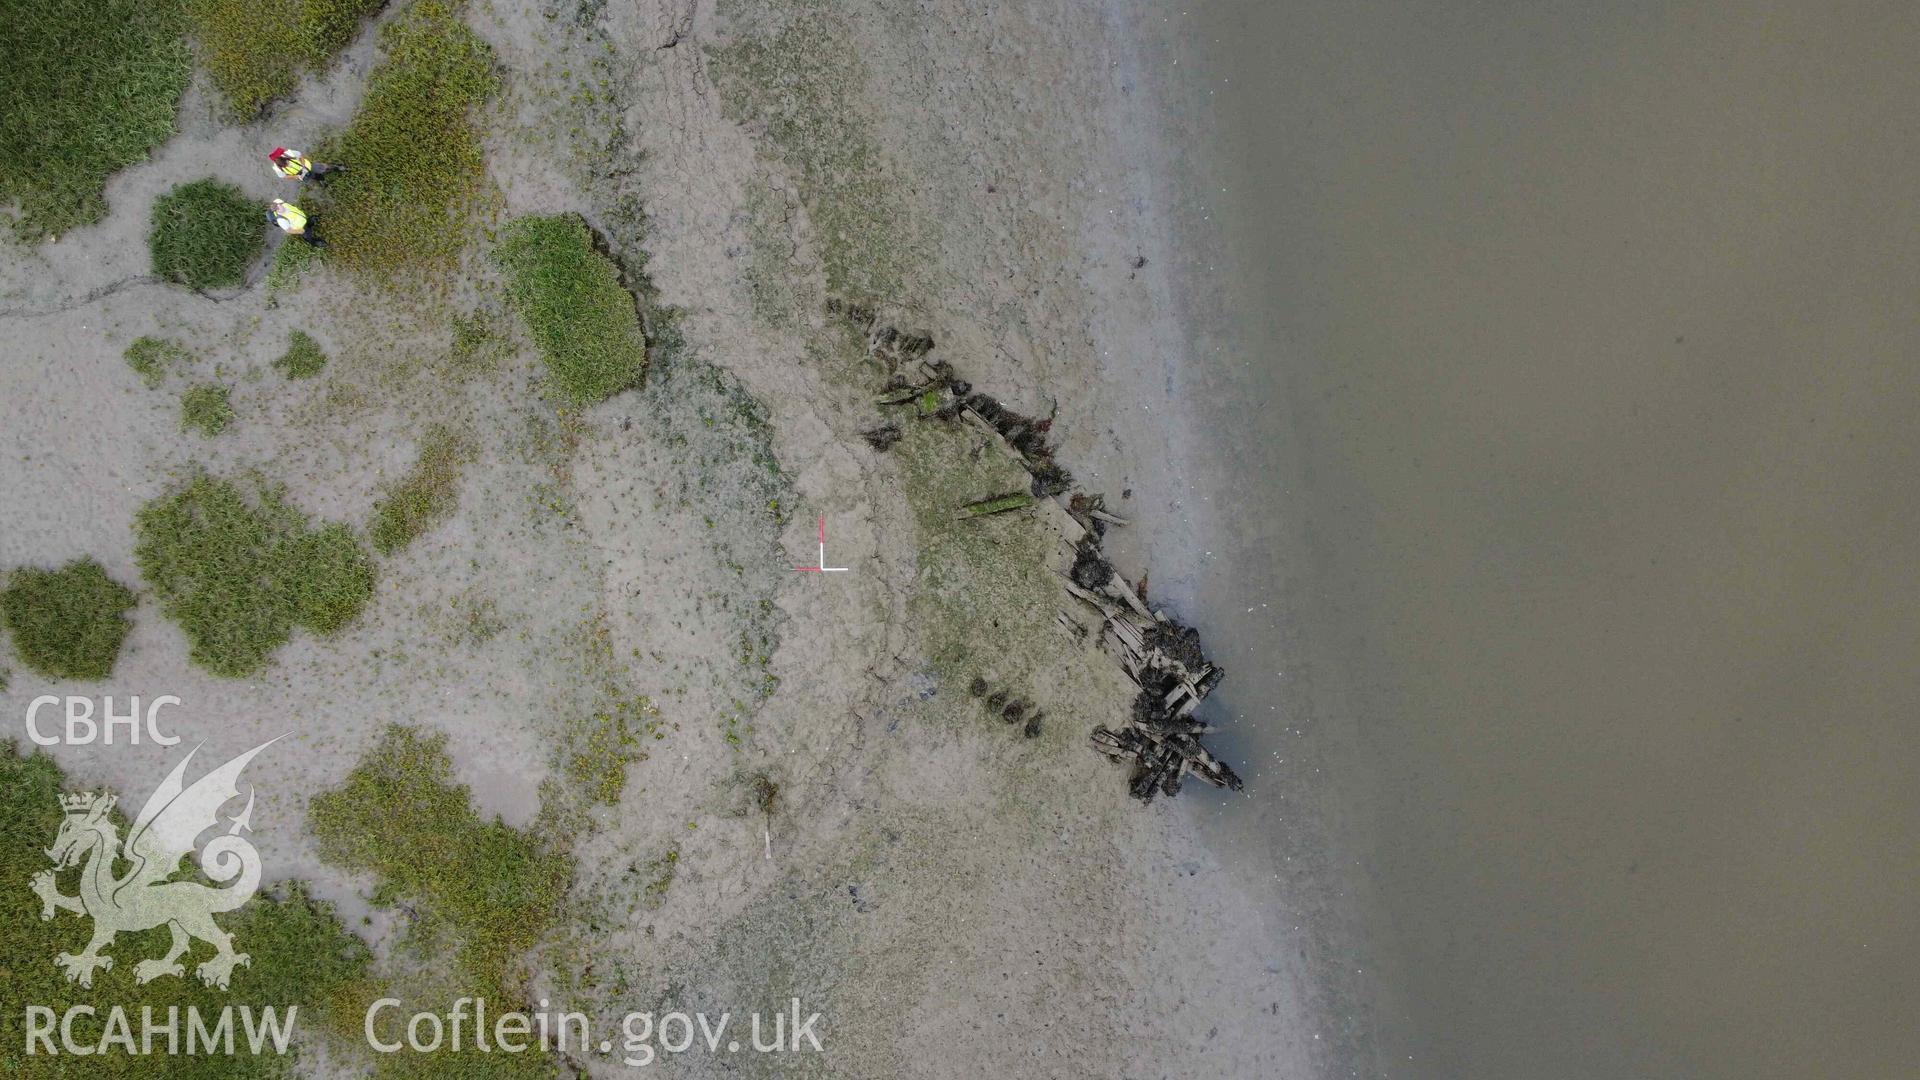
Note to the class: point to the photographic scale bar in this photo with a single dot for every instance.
(823, 568)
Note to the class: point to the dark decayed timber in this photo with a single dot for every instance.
(1159, 737)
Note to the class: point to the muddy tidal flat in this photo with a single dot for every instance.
(485, 524)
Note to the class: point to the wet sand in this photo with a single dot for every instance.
(1553, 457)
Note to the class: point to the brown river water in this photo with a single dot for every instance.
(1553, 374)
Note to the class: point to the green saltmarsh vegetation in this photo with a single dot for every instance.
(240, 570)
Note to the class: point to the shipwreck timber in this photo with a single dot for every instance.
(1160, 736)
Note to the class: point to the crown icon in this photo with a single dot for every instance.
(78, 803)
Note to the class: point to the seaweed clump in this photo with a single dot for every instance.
(1010, 708)
(1090, 570)
(1182, 643)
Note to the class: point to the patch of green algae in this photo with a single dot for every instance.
(803, 81)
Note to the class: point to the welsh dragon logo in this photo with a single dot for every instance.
(144, 897)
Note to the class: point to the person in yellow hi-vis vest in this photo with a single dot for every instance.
(295, 165)
(293, 221)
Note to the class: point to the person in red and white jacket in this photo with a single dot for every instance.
(295, 165)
